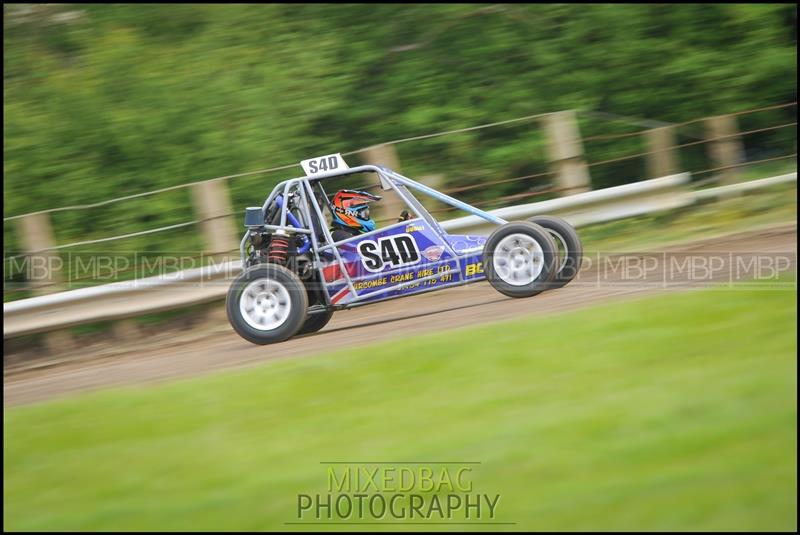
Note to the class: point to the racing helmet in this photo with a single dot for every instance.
(351, 209)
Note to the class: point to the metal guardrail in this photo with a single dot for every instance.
(592, 207)
(118, 300)
(131, 298)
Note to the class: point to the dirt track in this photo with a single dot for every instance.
(603, 278)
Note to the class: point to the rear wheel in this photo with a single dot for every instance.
(316, 321)
(519, 259)
(318, 316)
(570, 249)
(266, 304)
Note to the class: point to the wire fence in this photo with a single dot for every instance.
(122, 236)
(364, 149)
(536, 180)
(651, 125)
(744, 164)
(459, 189)
(273, 169)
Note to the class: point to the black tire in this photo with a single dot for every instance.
(274, 277)
(315, 322)
(548, 259)
(316, 296)
(571, 265)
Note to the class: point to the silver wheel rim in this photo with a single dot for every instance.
(265, 304)
(518, 259)
(562, 249)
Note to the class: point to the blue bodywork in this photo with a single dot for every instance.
(441, 261)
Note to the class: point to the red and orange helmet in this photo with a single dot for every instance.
(351, 209)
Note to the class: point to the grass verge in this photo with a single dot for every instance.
(669, 413)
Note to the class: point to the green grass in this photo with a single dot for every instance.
(670, 413)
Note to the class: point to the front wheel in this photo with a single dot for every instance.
(520, 258)
(266, 304)
(569, 247)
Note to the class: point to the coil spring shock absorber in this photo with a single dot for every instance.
(278, 249)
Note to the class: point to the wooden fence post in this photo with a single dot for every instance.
(212, 204)
(436, 182)
(662, 159)
(566, 152)
(726, 147)
(391, 205)
(213, 207)
(36, 235)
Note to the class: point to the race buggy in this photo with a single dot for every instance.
(295, 273)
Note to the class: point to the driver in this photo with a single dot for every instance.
(351, 214)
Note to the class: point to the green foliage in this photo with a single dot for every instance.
(109, 100)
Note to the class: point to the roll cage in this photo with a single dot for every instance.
(313, 223)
